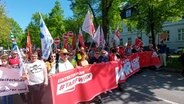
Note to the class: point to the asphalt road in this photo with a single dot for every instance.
(149, 87)
(146, 87)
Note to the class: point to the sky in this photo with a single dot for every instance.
(21, 10)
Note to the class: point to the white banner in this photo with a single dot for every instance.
(11, 82)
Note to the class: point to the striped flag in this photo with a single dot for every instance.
(46, 39)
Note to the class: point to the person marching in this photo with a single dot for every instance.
(36, 75)
(62, 64)
(9, 98)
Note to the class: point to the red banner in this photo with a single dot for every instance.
(128, 67)
(149, 58)
(83, 84)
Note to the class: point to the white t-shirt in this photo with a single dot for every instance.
(35, 72)
(62, 66)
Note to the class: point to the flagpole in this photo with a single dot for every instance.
(90, 46)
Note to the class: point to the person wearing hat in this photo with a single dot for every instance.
(62, 64)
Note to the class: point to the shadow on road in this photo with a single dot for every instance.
(146, 81)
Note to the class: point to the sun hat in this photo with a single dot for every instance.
(64, 50)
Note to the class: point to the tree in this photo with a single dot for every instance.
(16, 30)
(105, 12)
(71, 24)
(34, 29)
(153, 13)
(56, 20)
(4, 27)
(8, 26)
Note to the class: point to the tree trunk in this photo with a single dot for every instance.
(94, 16)
(153, 35)
(152, 26)
(106, 5)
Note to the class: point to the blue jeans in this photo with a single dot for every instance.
(7, 99)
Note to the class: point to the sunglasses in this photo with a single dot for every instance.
(53, 56)
(65, 54)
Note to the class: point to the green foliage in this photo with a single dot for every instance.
(155, 12)
(151, 14)
(71, 24)
(105, 12)
(8, 25)
(174, 63)
(16, 31)
(56, 20)
(4, 27)
(34, 29)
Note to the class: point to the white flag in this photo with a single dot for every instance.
(102, 39)
(96, 37)
(88, 25)
(46, 39)
(117, 37)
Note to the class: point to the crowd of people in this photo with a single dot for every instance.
(37, 71)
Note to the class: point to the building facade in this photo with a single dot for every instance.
(174, 30)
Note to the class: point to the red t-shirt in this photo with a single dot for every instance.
(14, 61)
(112, 57)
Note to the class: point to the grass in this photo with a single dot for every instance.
(174, 63)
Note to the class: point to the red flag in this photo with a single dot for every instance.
(88, 25)
(117, 34)
(71, 39)
(81, 40)
(138, 42)
(28, 45)
(65, 41)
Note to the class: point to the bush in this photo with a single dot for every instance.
(173, 62)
